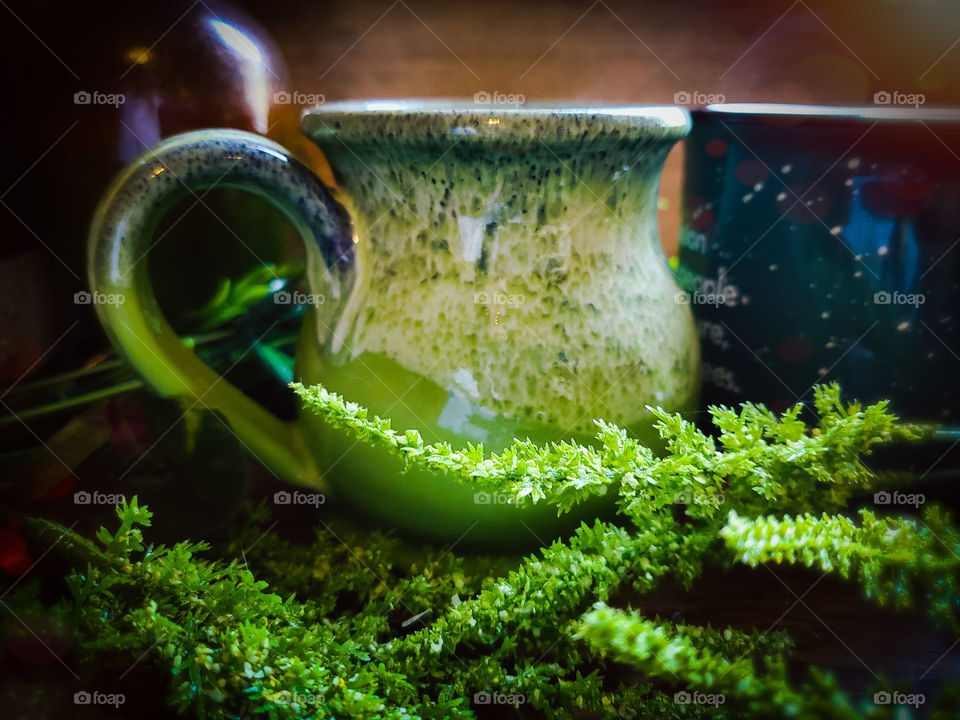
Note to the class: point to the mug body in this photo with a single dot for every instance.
(819, 244)
(509, 282)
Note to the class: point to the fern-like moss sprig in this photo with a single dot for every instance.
(758, 461)
(562, 473)
(896, 560)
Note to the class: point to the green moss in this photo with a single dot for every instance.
(357, 624)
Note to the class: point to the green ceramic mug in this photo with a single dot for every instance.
(486, 273)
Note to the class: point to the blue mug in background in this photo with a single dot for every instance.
(822, 244)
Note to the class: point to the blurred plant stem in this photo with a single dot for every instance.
(106, 375)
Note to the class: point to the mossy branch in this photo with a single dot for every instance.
(678, 657)
(897, 561)
(563, 473)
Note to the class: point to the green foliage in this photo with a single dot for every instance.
(742, 685)
(231, 647)
(897, 560)
(667, 653)
(562, 473)
(359, 624)
(758, 461)
(531, 609)
(233, 297)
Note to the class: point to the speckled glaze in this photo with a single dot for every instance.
(510, 283)
(513, 257)
(489, 273)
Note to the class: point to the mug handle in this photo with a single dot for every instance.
(120, 239)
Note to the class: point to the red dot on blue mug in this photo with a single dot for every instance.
(907, 182)
(700, 213)
(898, 191)
(702, 219)
(716, 148)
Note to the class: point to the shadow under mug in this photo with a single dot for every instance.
(821, 244)
(478, 274)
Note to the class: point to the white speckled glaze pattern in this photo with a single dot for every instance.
(512, 256)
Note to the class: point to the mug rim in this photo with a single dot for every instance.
(418, 118)
(901, 113)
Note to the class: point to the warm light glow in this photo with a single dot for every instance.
(493, 121)
(256, 83)
(139, 55)
(237, 40)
